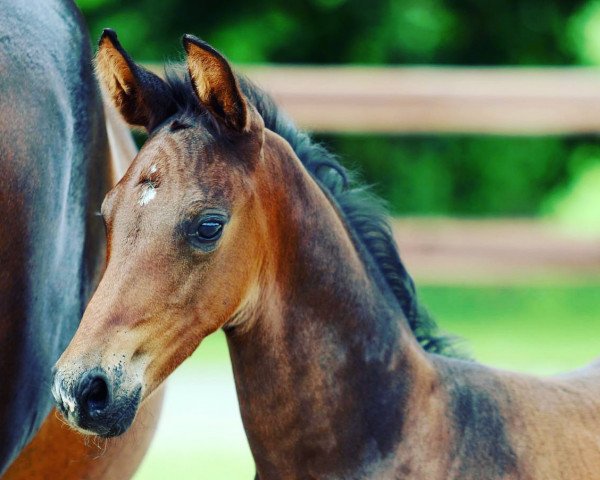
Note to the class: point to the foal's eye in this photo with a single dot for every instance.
(210, 230)
(204, 231)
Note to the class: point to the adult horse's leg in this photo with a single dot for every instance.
(58, 449)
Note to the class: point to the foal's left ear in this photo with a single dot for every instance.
(215, 84)
(141, 96)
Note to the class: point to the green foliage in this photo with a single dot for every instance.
(467, 32)
(411, 31)
(457, 174)
(584, 33)
(577, 204)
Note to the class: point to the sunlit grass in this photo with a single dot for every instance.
(537, 329)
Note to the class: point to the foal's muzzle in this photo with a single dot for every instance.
(94, 404)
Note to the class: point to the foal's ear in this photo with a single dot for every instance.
(215, 84)
(142, 97)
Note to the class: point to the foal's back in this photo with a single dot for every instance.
(519, 426)
(52, 166)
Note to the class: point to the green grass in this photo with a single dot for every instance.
(537, 329)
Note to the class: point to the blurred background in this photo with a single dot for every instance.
(475, 120)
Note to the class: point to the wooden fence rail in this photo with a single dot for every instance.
(452, 100)
(512, 101)
(516, 101)
(505, 251)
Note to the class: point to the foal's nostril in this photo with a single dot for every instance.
(95, 395)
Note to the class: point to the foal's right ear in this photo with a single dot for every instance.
(142, 97)
(215, 84)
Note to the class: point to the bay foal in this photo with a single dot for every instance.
(230, 218)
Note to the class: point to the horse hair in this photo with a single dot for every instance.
(364, 213)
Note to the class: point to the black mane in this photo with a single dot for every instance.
(364, 213)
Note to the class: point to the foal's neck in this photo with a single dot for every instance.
(326, 365)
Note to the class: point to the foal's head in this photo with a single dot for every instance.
(184, 230)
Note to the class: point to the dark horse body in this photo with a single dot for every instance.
(231, 218)
(55, 167)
